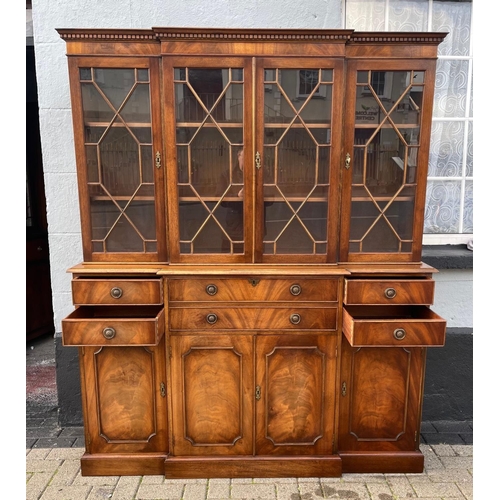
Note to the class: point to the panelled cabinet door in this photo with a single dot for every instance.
(212, 400)
(125, 408)
(119, 155)
(388, 106)
(295, 397)
(381, 391)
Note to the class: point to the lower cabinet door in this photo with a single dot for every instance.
(295, 394)
(380, 401)
(124, 393)
(212, 394)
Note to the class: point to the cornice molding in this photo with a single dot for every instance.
(396, 37)
(256, 35)
(108, 35)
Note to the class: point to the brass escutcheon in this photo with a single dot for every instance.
(254, 282)
(344, 388)
(257, 393)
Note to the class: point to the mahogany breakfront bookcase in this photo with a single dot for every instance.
(252, 300)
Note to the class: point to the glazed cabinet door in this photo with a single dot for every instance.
(250, 148)
(124, 398)
(295, 395)
(387, 135)
(212, 397)
(208, 121)
(119, 157)
(380, 401)
(298, 139)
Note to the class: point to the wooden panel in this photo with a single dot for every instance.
(131, 324)
(380, 401)
(117, 291)
(247, 318)
(253, 289)
(210, 467)
(393, 326)
(107, 464)
(125, 406)
(389, 292)
(295, 412)
(212, 395)
(382, 462)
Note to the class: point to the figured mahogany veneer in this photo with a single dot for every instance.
(117, 291)
(139, 325)
(409, 326)
(253, 289)
(209, 300)
(389, 292)
(251, 318)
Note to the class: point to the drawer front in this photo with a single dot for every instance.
(117, 291)
(388, 292)
(378, 326)
(253, 289)
(100, 326)
(246, 318)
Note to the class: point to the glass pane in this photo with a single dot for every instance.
(442, 207)
(447, 148)
(297, 138)
(451, 88)
(119, 156)
(121, 228)
(209, 134)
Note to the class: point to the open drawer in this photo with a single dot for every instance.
(387, 326)
(114, 325)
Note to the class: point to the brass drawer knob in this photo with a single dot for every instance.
(399, 334)
(212, 318)
(211, 289)
(390, 293)
(295, 289)
(295, 319)
(116, 292)
(109, 333)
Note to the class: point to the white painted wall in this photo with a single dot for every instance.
(453, 297)
(454, 288)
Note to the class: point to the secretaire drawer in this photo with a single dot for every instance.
(117, 291)
(103, 325)
(409, 326)
(253, 289)
(388, 292)
(246, 318)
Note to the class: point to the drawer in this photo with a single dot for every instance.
(388, 292)
(117, 291)
(102, 325)
(410, 326)
(247, 318)
(253, 289)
